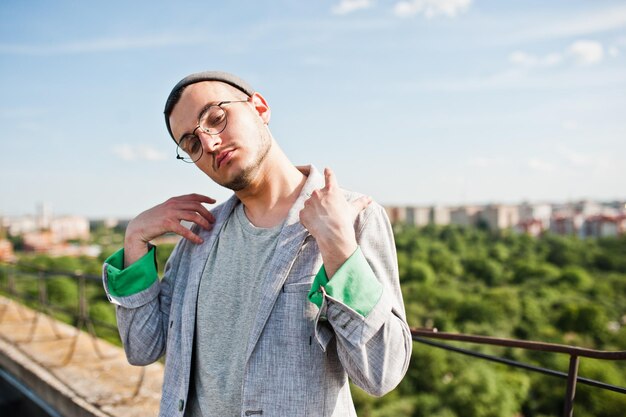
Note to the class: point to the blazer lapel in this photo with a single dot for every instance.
(289, 243)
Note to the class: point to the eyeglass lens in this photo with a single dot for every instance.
(191, 147)
(213, 122)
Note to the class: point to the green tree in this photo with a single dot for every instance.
(479, 391)
(62, 291)
(576, 277)
(163, 253)
(484, 269)
(443, 261)
(421, 272)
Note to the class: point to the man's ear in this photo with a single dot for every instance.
(261, 107)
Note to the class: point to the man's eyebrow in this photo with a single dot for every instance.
(200, 113)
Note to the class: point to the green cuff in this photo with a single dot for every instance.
(354, 284)
(139, 276)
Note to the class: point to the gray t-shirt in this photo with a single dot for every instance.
(228, 300)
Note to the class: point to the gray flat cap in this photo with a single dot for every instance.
(221, 76)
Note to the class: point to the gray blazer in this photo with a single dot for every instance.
(299, 357)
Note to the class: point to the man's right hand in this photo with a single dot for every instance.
(164, 218)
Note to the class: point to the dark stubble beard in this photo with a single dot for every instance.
(248, 173)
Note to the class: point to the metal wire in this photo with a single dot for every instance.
(80, 316)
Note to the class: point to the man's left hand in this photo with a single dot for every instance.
(330, 220)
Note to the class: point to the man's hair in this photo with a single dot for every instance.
(220, 76)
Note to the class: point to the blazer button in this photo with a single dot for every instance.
(181, 405)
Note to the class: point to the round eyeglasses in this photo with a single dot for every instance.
(212, 121)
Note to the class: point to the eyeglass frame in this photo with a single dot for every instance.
(206, 108)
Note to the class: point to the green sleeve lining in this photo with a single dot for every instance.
(137, 277)
(354, 284)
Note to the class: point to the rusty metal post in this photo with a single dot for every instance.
(572, 376)
(12, 289)
(85, 318)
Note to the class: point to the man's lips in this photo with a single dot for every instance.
(222, 157)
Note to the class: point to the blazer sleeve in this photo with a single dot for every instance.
(364, 310)
(142, 317)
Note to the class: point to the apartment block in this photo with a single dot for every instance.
(417, 216)
(465, 215)
(396, 214)
(439, 215)
(541, 212)
(499, 216)
(604, 226)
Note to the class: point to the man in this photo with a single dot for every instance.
(272, 300)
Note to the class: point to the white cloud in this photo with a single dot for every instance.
(537, 164)
(551, 59)
(100, 45)
(587, 52)
(431, 8)
(523, 59)
(517, 79)
(585, 24)
(583, 52)
(614, 51)
(530, 61)
(139, 152)
(349, 6)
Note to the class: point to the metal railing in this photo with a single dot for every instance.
(44, 310)
(575, 353)
(82, 319)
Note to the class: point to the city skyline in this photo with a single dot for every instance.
(412, 102)
(45, 210)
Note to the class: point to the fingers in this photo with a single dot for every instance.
(197, 197)
(329, 179)
(181, 230)
(198, 208)
(166, 217)
(197, 219)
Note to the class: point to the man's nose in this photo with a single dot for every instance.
(210, 142)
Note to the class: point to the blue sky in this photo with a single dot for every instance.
(411, 102)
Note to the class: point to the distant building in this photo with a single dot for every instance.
(45, 233)
(588, 208)
(396, 214)
(439, 215)
(44, 216)
(583, 218)
(499, 216)
(532, 227)
(604, 226)
(39, 242)
(618, 206)
(6, 251)
(69, 228)
(566, 224)
(417, 216)
(20, 225)
(465, 215)
(541, 212)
